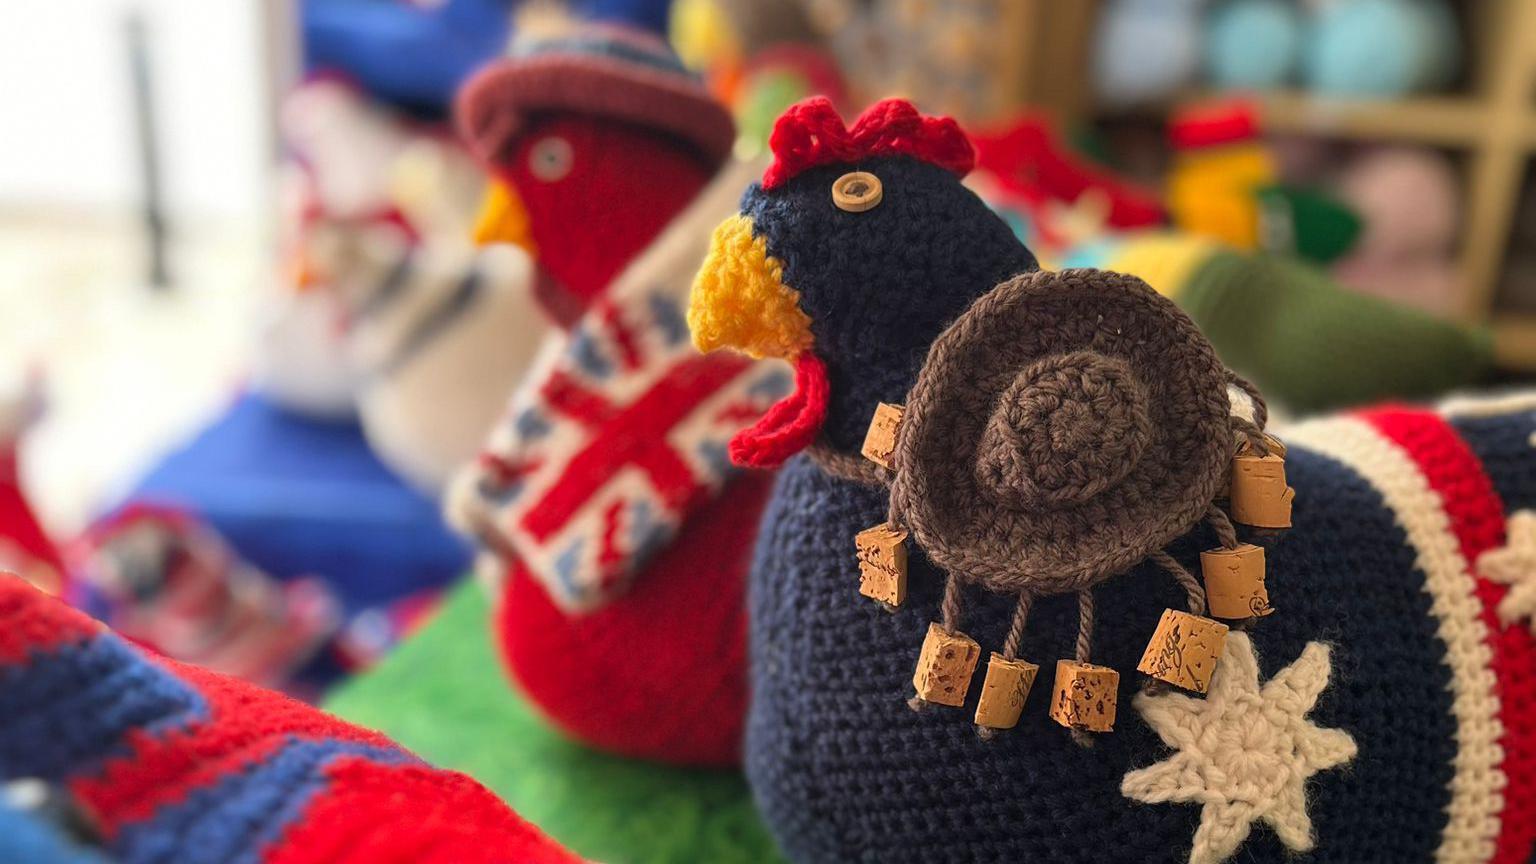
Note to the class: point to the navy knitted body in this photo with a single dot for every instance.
(845, 771)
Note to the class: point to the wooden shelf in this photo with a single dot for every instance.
(1514, 342)
(1440, 120)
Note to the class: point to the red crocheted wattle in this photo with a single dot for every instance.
(811, 133)
(792, 424)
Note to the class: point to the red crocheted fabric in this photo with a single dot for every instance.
(661, 674)
(792, 424)
(172, 762)
(811, 133)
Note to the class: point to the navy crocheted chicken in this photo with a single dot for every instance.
(1386, 712)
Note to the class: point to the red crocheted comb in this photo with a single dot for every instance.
(810, 133)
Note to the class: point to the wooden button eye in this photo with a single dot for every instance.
(857, 191)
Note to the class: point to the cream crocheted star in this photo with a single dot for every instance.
(1244, 752)
(1515, 565)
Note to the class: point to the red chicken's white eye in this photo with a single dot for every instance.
(857, 191)
(550, 158)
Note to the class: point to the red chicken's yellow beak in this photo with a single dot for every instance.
(504, 219)
(740, 300)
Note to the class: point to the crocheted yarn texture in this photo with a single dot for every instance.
(1407, 705)
(1433, 691)
(442, 695)
(170, 763)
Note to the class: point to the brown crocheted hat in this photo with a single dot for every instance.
(608, 71)
(1065, 427)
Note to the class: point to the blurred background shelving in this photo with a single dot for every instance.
(1483, 119)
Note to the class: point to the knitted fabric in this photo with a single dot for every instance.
(894, 302)
(635, 643)
(1424, 691)
(172, 763)
(617, 73)
(298, 497)
(169, 583)
(1394, 507)
(1032, 165)
(1312, 328)
(1065, 427)
(442, 695)
(811, 133)
(1290, 328)
(636, 178)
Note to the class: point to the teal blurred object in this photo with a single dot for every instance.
(1145, 50)
(1252, 44)
(30, 838)
(1382, 49)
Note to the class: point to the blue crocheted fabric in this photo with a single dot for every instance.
(1393, 509)
(298, 496)
(107, 754)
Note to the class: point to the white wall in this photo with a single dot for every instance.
(66, 116)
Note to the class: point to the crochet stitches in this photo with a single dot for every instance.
(1066, 427)
(811, 134)
(1514, 564)
(1245, 752)
(1394, 452)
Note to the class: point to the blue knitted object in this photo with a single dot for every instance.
(1252, 44)
(1382, 48)
(844, 771)
(295, 496)
(411, 56)
(156, 763)
(1385, 712)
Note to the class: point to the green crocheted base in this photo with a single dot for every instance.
(444, 696)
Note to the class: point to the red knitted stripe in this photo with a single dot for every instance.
(404, 814)
(244, 725)
(32, 622)
(1477, 518)
(623, 437)
(811, 133)
(792, 424)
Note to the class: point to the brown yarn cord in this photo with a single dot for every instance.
(1226, 534)
(1016, 629)
(849, 467)
(1192, 587)
(949, 610)
(1252, 433)
(1084, 625)
(1084, 648)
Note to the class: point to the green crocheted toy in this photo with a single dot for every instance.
(443, 696)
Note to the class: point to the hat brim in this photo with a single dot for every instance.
(493, 107)
(1065, 544)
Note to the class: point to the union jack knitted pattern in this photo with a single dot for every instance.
(1390, 638)
(175, 764)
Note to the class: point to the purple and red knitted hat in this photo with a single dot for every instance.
(608, 71)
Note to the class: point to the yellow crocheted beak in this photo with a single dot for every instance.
(740, 300)
(504, 219)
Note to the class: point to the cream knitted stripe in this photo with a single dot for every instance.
(1477, 796)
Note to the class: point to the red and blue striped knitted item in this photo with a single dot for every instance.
(176, 764)
(1377, 586)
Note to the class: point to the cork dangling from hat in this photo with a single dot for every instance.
(1065, 428)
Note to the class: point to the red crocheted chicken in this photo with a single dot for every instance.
(595, 142)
